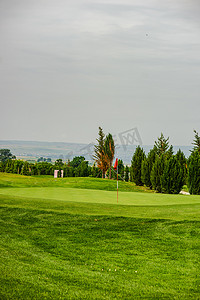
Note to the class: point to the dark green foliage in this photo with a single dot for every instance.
(44, 168)
(157, 172)
(194, 173)
(17, 166)
(136, 166)
(147, 166)
(120, 169)
(43, 159)
(95, 172)
(161, 145)
(2, 166)
(183, 161)
(169, 152)
(5, 154)
(77, 160)
(26, 169)
(82, 170)
(126, 174)
(59, 163)
(145, 173)
(9, 166)
(196, 142)
(68, 171)
(172, 179)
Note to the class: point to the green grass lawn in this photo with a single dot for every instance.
(69, 239)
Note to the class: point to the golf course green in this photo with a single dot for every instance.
(70, 239)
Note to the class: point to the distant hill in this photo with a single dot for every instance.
(32, 150)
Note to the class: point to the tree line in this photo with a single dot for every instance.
(160, 170)
(78, 167)
(166, 172)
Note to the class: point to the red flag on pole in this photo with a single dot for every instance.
(116, 164)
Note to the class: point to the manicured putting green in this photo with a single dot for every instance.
(99, 196)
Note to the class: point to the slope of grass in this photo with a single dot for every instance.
(77, 243)
(14, 180)
(53, 255)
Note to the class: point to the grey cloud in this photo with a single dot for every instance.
(118, 64)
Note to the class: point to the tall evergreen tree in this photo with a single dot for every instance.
(161, 145)
(121, 169)
(147, 166)
(194, 173)
(157, 172)
(126, 174)
(136, 166)
(183, 162)
(169, 152)
(172, 179)
(99, 153)
(196, 142)
(109, 148)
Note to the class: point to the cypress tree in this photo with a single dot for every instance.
(120, 169)
(126, 174)
(136, 166)
(172, 179)
(194, 173)
(183, 162)
(157, 172)
(147, 166)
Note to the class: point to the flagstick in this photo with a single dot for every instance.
(117, 183)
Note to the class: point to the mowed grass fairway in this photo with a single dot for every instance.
(69, 239)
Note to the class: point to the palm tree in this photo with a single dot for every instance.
(109, 151)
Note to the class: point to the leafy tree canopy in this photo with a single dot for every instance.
(5, 154)
(59, 162)
(77, 160)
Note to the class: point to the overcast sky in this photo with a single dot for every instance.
(67, 67)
